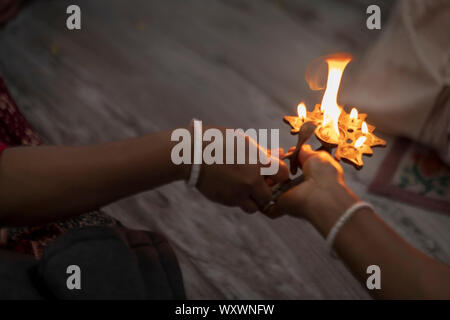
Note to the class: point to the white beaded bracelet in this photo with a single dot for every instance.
(342, 220)
(197, 163)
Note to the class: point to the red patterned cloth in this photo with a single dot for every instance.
(14, 128)
(2, 147)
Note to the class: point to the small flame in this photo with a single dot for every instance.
(354, 114)
(329, 106)
(301, 111)
(360, 141)
(364, 128)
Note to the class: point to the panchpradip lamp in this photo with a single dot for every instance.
(348, 133)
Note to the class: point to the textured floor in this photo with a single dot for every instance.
(134, 69)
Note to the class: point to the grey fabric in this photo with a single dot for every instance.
(16, 274)
(115, 263)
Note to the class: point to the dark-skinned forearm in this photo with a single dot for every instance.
(40, 184)
(366, 240)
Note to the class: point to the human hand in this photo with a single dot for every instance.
(241, 184)
(323, 193)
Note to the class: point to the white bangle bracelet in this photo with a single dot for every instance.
(342, 220)
(196, 165)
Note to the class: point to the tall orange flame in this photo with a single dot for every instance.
(329, 106)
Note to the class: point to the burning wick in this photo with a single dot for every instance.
(354, 114)
(364, 128)
(360, 141)
(301, 111)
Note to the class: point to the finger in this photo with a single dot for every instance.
(269, 181)
(261, 194)
(305, 153)
(273, 211)
(292, 201)
(249, 206)
(288, 154)
(282, 174)
(280, 170)
(279, 152)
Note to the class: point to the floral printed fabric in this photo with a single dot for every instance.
(414, 174)
(14, 128)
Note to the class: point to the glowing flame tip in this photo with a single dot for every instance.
(360, 141)
(301, 110)
(354, 114)
(329, 106)
(364, 128)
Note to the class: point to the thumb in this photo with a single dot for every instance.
(305, 153)
(283, 172)
(273, 159)
(273, 211)
(289, 203)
